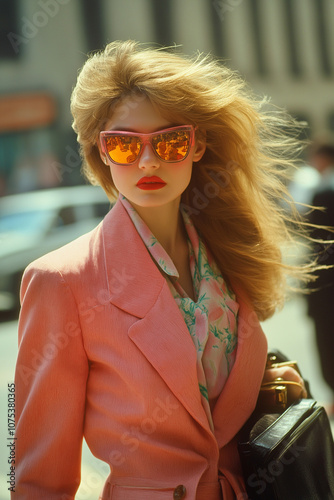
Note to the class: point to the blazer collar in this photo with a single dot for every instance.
(134, 280)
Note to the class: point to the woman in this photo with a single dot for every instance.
(143, 335)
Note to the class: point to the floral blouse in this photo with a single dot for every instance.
(211, 319)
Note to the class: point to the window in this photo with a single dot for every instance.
(9, 23)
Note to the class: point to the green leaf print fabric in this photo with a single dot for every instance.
(211, 319)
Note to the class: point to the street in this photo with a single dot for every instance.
(290, 331)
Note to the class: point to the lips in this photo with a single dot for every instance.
(153, 182)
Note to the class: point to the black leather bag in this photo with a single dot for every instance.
(288, 455)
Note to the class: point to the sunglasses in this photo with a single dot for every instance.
(170, 145)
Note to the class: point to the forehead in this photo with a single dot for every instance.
(137, 114)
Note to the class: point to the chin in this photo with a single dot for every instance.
(154, 201)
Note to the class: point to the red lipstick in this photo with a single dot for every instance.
(149, 183)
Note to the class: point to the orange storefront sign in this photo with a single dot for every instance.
(26, 111)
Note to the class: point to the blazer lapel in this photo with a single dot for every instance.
(137, 287)
(133, 279)
(238, 398)
(164, 339)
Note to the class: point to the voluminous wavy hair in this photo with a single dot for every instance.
(237, 190)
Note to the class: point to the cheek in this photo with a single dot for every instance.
(184, 172)
(119, 175)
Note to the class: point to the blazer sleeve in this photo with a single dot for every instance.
(50, 383)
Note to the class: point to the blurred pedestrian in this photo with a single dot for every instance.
(321, 301)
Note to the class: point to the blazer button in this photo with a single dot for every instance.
(179, 492)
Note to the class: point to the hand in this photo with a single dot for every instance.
(285, 372)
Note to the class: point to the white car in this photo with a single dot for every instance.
(35, 223)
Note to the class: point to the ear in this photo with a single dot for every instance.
(200, 147)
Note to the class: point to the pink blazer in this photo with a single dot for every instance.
(105, 354)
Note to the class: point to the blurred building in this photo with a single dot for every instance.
(284, 48)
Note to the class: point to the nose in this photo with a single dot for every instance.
(148, 159)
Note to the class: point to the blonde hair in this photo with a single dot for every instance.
(235, 194)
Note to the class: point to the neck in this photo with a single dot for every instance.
(165, 222)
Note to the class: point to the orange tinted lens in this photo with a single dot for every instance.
(172, 146)
(123, 148)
